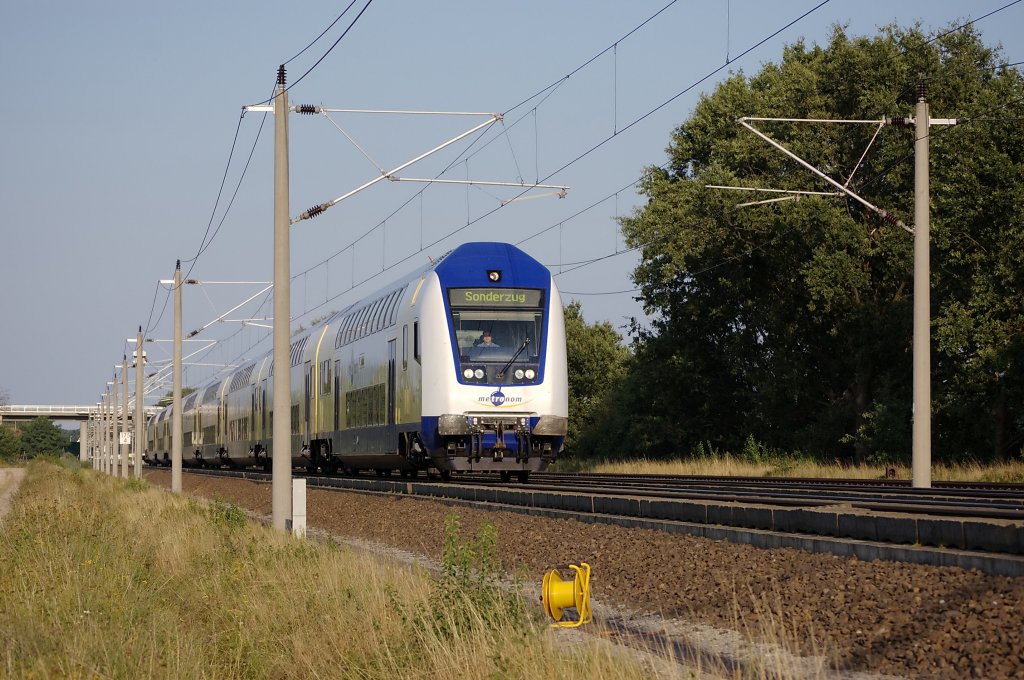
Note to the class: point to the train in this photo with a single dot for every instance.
(404, 380)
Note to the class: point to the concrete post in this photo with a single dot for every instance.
(83, 441)
(281, 440)
(922, 429)
(106, 431)
(176, 421)
(140, 398)
(124, 447)
(298, 520)
(115, 448)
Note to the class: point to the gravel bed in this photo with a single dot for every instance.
(882, 617)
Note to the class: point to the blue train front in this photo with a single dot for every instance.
(458, 367)
(495, 389)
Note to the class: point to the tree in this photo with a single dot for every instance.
(40, 436)
(10, 444)
(596, 360)
(791, 321)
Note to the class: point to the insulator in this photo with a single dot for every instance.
(307, 109)
(314, 211)
(920, 90)
(889, 218)
(280, 75)
(898, 121)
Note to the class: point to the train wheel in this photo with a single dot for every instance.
(506, 476)
(446, 475)
(524, 476)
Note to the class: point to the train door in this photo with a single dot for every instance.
(392, 356)
(392, 434)
(337, 395)
(263, 411)
(309, 388)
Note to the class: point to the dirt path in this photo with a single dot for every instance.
(10, 480)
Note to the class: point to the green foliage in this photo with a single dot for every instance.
(792, 321)
(469, 589)
(226, 514)
(596, 361)
(11, 447)
(41, 437)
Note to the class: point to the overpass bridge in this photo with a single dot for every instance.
(21, 412)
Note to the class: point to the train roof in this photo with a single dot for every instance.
(466, 265)
(471, 263)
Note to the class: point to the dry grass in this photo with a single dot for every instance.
(736, 466)
(108, 578)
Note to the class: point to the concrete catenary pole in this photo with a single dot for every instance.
(140, 397)
(104, 431)
(125, 449)
(176, 419)
(97, 463)
(83, 440)
(95, 438)
(107, 432)
(281, 439)
(115, 449)
(92, 441)
(921, 472)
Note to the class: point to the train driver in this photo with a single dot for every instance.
(486, 340)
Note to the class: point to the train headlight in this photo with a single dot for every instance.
(530, 374)
(479, 374)
(468, 374)
(519, 374)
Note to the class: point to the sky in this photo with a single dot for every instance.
(121, 118)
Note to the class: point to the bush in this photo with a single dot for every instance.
(11, 447)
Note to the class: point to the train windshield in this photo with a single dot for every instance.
(493, 327)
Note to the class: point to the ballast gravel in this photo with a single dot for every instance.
(880, 617)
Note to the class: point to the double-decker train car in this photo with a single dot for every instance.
(459, 367)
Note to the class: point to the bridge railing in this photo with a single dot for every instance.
(57, 412)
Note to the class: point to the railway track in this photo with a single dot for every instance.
(973, 527)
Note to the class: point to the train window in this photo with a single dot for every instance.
(405, 347)
(497, 335)
(364, 313)
(350, 323)
(416, 340)
(326, 379)
(382, 313)
(393, 307)
(375, 322)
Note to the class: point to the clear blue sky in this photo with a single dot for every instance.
(120, 117)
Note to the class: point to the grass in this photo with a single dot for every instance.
(719, 464)
(112, 578)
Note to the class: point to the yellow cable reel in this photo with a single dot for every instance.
(557, 595)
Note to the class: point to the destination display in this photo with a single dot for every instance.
(495, 297)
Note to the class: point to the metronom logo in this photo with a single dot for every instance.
(498, 398)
